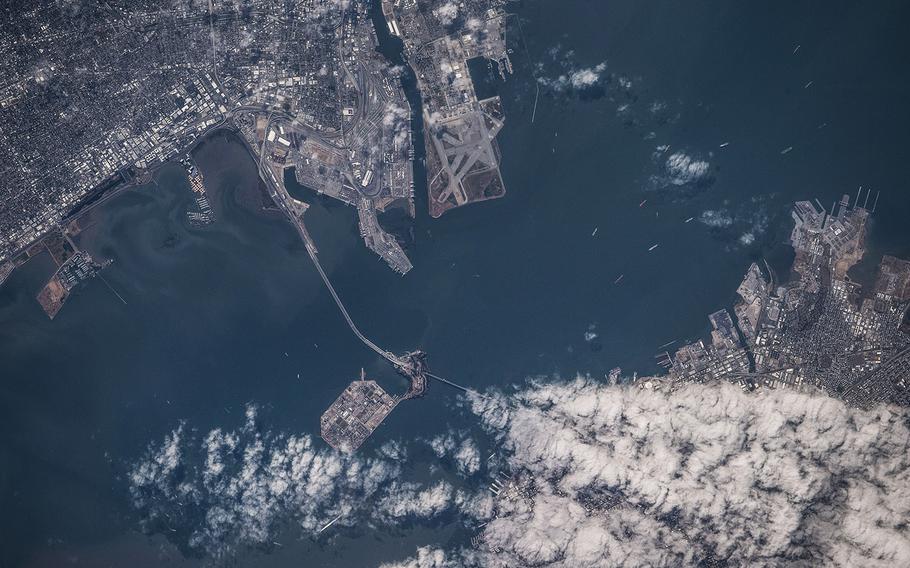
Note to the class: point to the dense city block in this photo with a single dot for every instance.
(822, 330)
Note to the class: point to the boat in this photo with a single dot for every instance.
(689, 220)
(595, 231)
(724, 144)
(642, 204)
(618, 280)
(786, 150)
(653, 247)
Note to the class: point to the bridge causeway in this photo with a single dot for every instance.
(281, 198)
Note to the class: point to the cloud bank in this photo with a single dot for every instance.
(226, 491)
(706, 475)
(591, 475)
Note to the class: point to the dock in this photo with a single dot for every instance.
(355, 414)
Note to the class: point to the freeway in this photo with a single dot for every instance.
(282, 199)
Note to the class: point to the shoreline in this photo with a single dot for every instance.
(106, 191)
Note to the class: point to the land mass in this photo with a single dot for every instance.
(822, 330)
(459, 130)
(98, 97)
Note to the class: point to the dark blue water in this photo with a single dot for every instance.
(500, 290)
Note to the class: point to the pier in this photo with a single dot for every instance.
(412, 364)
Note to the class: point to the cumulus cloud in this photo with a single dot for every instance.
(679, 172)
(442, 444)
(447, 13)
(474, 24)
(683, 169)
(395, 122)
(394, 115)
(461, 449)
(657, 107)
(738, 225)
(591, 333)
(412, 500)
(426, 558)
(159, 467)
(716, 218)
(703, 475)
(563, 76)
(591, 475)
(747, 238)
(476, 506)
(583, 78)
(434, 118)
(393, 450)
(576, 79)
(467, 457)
(232, 489)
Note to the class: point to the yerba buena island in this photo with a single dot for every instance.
(265, 299)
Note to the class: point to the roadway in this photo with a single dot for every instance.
(281, 198)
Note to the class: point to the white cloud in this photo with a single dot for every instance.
(447, 13)
(161, 464)
(393, 450)
(706, 474)
(601, 476)
(586, 77)
(683, 169)
(233, 489)
(716, 218)
(395, 121)
(442, 445)
(394, 115)
(426, 558)
(627, 476)
(461, 449)
(434, 118)
(467, 457)
(478, 506)
(410, 500)
(577, 79)
(742, 225)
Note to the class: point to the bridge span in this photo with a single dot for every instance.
(408, 364)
